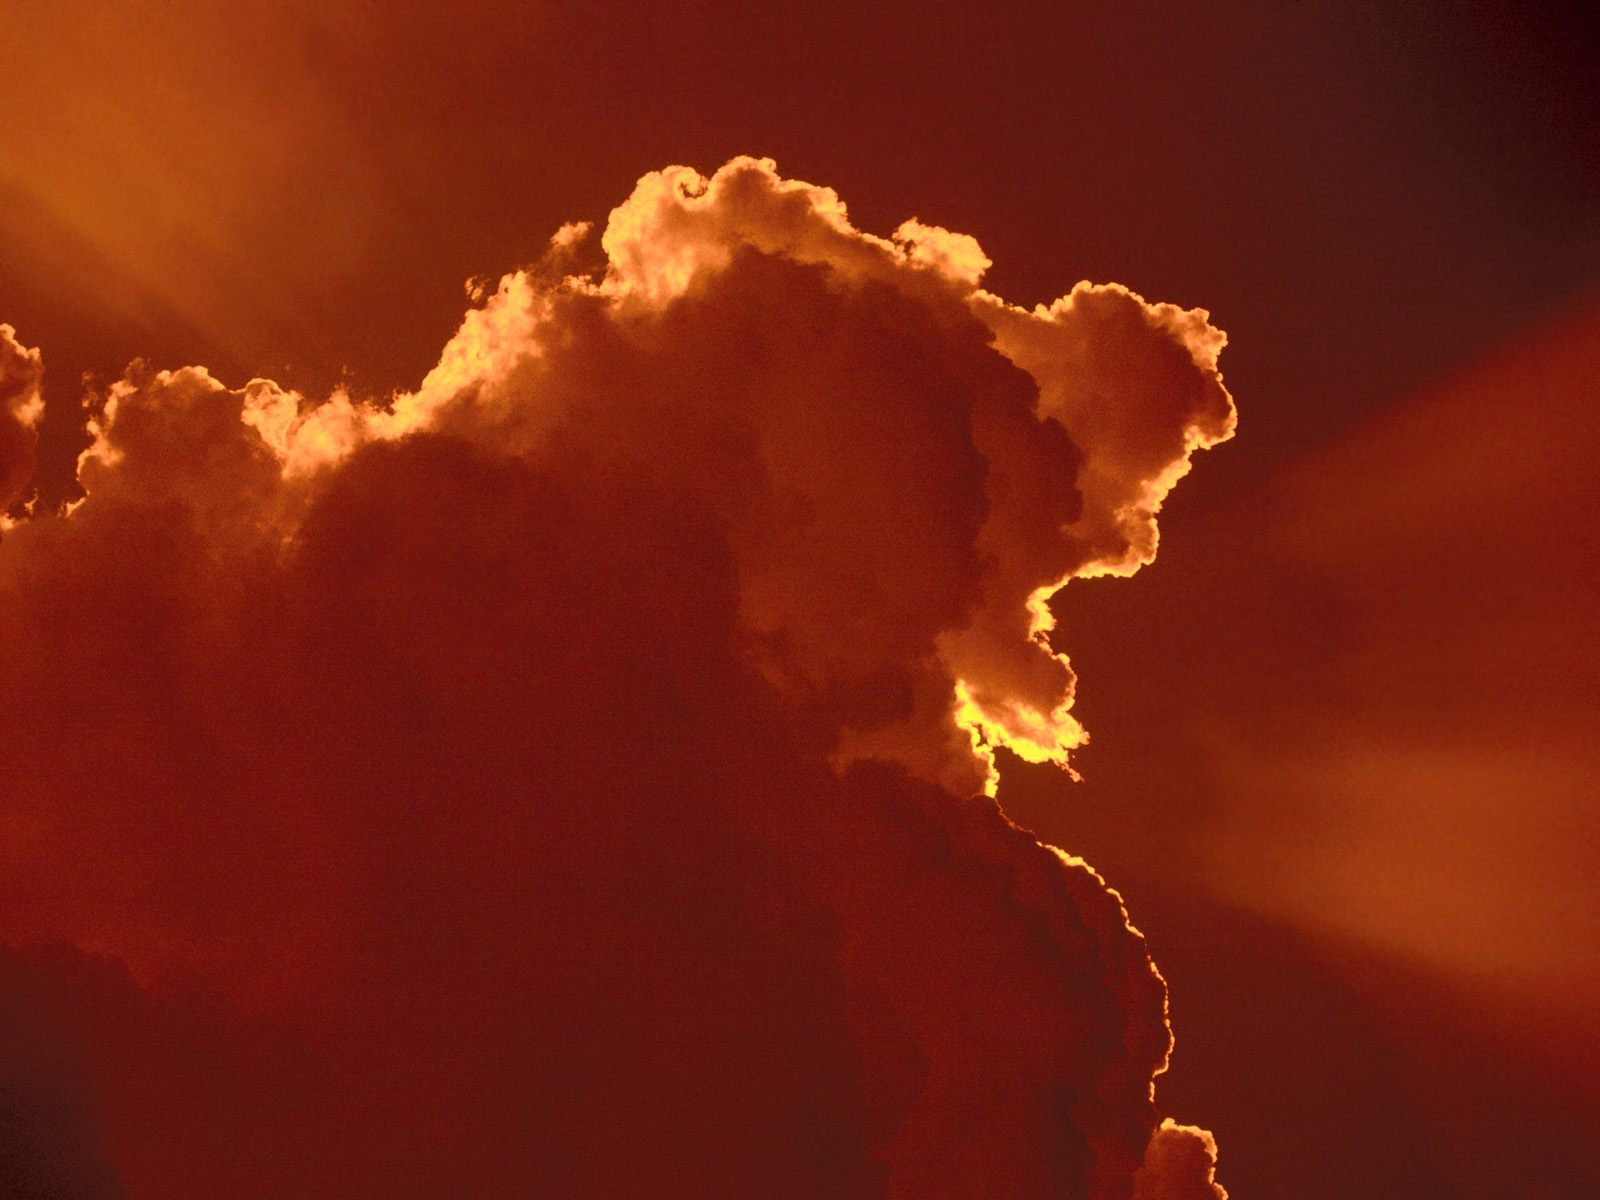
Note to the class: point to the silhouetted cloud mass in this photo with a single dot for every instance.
(568, 778)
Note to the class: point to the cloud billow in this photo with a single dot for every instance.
(569, 777)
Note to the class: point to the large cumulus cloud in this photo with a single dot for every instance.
(567, 777)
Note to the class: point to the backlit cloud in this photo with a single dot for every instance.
(20, 408)
(570, 774)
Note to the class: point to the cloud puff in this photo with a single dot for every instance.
(1037, 444)
(20, 408)
(1180, 1164)
(568, 775)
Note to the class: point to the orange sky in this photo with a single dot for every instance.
(1340, 761)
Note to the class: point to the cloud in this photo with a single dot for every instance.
(569, 774)
(1179, 1165)
(1056, 432)
(20, 409)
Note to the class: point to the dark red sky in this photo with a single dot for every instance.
(1341, 765)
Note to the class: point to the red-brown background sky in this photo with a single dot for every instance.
(1343, 727)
